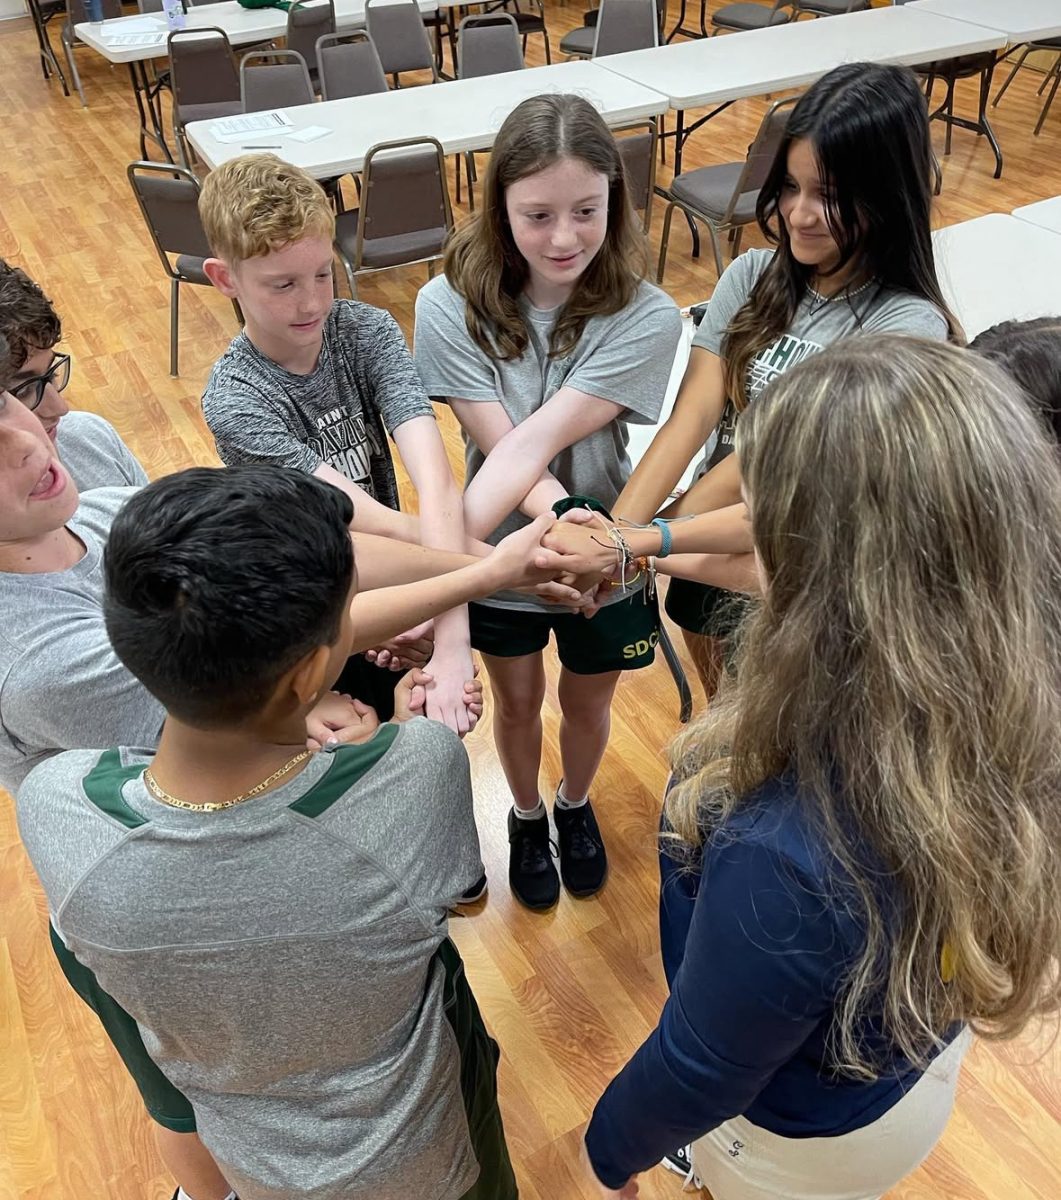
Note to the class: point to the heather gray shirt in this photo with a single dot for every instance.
(818, 323)
(625, 358)
(363, 387)
(96, 457)
(61, 684)
(279, 959)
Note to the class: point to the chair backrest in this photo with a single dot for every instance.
(397, 31)
(488, 45)
(307, 21)
(349, 66)
(149, 6)
(763, 151)
(202, 67)
(405, 209)
(638, 152)
(626, 25)
(274, 79)
(169, 201)
(77, 10)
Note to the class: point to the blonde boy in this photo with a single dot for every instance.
(317, 384)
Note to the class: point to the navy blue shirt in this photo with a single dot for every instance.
(756, 943)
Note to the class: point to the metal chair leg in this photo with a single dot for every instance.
(1050, 98)
(685, 696)
(75, 77)
(548, 51)
(1009, 77)
(174, 324)
(664, 241)
(719, 264)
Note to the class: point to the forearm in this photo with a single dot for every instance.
(442, 528)
(384, 562)
(514, 476)
(653, 479)
(369, 515)
(732, 572)
(719, 488)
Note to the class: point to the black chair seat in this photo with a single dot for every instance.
(579, 41)
(190, 269)
(743, 16)
(387, 251)
(710, 189)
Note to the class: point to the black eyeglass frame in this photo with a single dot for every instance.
(60, 368)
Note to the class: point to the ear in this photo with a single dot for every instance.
(308, 678)
(222, 277)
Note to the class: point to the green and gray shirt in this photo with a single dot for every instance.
(280, 956)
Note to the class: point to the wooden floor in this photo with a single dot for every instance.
(569, 995)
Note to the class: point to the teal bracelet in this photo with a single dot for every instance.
(666, 537)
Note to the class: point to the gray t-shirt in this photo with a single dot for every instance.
(363, 387)
(625, 358)
(279, 956)
(61, 684)
(96, 457)
(818, 323)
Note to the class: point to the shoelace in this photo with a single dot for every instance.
(583, 844)
(534, 857)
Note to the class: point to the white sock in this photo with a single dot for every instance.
(183, 1195)
(563, 801)
(530, 814)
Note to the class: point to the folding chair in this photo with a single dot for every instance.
(349, 66)
(204, 78)
(169, 202)
(274, 79)
(307, 22)
(637, 148)
(486, 45)
(398, 34)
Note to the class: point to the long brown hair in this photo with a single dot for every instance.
(482, 262)
(904, 667)
(868, 125)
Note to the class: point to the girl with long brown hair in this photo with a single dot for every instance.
(863, 851)
(545, 339)
(848, 206)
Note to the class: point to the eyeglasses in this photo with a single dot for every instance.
(31, 391)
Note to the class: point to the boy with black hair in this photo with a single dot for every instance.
(275, 920)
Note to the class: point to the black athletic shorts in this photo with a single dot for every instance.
(701, 608)
(370, 684)
(621, 637)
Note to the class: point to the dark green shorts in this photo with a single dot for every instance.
(621, 637)
(701, 608)
(479, 1057)
(164, 1103)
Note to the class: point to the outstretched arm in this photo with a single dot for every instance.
(517, 461)
(697, 411)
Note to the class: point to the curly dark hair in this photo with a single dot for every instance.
(28, 322)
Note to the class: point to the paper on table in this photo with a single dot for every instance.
(233, 129)
(111, 29)
(117, 40)
(310, 134)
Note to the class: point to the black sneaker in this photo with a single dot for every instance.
(583, 862)
(476, 892)
(531, 874)
(681, 1163)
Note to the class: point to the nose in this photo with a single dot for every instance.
(17, 446)
(52, 406)
(565, 236)
(805, 213)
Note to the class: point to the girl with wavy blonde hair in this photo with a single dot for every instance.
(546, 341)
(863, 857)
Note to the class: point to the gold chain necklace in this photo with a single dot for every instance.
(215, 806)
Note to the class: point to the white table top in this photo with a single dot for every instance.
(1047, 215)
(712, 70)
(243, 26)
(463, 114)
(1019, 20)
(998, 268)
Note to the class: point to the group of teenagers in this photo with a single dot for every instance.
(231, 700)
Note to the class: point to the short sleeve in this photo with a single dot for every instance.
(450, 364)
(392, 383)
(910, 315)
(75, 693)
(249, 427)
(730, 294)
(632, 363)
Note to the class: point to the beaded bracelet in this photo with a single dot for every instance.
(666, 537)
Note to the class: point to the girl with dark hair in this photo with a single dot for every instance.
(545, 339)
(847, 204)
(862, 855)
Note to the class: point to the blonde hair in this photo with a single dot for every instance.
(257, 203)
(482, 262)
(904, 668)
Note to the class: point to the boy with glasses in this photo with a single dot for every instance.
(89, 446)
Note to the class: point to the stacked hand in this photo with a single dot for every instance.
(338, 719)
(410, 649)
